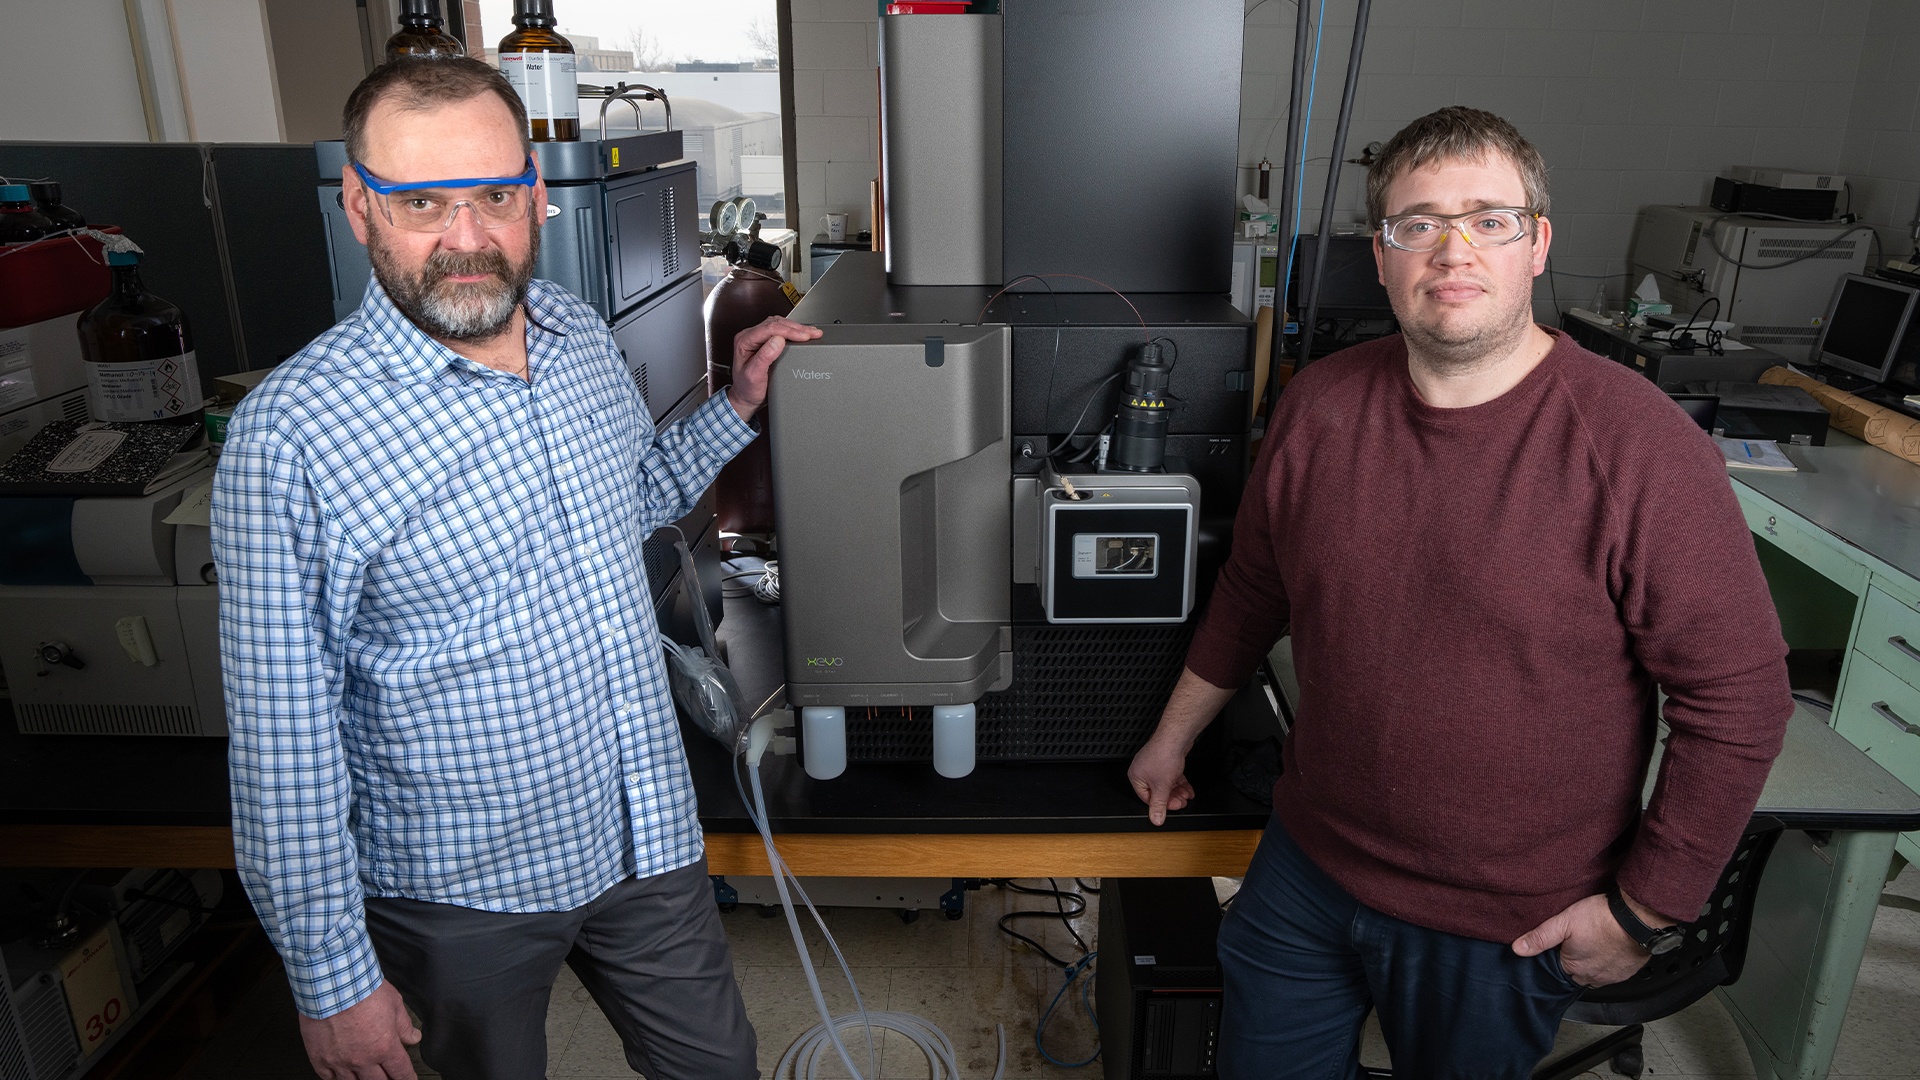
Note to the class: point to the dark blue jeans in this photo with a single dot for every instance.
(1304, 962)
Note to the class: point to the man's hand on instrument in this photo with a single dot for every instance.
(754, 351)
(1159, 776)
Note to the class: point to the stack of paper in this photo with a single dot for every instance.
(1754, 454)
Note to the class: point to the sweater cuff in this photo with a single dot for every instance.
(1673, 882)
(1227, 648)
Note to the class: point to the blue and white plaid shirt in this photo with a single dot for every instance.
(443, 677)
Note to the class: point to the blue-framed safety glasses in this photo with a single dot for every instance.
(430, 205)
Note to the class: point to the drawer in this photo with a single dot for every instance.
(1890, 634)
(1810, 544)
(1880, 714)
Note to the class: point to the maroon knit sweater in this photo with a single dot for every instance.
(1481, 601)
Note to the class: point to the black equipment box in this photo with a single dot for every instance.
(1158, 980)
(1785, 414)
(1802, 204)
(1671, 369)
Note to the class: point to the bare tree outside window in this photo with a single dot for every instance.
(764, 36)
(648, 52)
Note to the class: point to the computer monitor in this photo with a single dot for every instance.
(1865, 325)
(1702, 409)
(1349, 285)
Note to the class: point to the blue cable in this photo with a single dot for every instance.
(1074, 971)
(1300, 180)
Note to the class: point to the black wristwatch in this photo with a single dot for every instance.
(1664, 940)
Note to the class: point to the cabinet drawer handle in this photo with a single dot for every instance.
(1893, 718)
(1901, 644)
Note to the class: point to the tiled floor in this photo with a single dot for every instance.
(965, 976)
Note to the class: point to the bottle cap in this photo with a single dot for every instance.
(15, 193)
(429, 9)
(533, 13)
(45, 191)
(122, 258)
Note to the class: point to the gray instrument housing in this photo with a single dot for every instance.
(890, 464)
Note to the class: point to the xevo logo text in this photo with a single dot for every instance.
(825, 661)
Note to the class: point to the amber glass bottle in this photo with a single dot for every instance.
(421, 34)
(540, 64)
(139, 353)
(47, 200)
(20, 223)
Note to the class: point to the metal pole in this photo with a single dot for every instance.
(1296, 116)
(1311, 287)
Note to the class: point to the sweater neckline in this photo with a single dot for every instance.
(1522, 395)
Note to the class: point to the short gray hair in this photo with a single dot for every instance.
(426, 82)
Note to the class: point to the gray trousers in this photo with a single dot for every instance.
(651, 951)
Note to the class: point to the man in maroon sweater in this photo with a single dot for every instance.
(1490, 546)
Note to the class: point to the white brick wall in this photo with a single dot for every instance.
(836, 50)
(1881, 151)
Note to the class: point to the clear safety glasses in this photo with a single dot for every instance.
(1490, 227)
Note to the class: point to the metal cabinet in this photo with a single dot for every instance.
(1878, 707)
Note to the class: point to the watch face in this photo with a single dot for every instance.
(1665, 941)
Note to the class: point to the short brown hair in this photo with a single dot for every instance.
(426, 82)
(1453, 133)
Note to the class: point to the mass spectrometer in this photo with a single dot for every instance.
(1005, 475)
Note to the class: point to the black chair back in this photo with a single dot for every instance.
(1713, 954)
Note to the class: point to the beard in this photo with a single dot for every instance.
(1460, 347)
(467, 312)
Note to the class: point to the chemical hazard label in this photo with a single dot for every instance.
(147, 390)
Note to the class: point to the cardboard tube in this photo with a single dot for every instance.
(1896, 433)
(1262, 354)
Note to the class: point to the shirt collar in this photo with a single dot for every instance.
(406, 353)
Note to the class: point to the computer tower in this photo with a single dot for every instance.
(1158, 978)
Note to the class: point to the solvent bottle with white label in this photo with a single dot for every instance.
(138, 350)
(540, 64)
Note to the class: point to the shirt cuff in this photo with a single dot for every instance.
(719, 424)
(328, 982)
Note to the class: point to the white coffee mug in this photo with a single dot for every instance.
(836, 228)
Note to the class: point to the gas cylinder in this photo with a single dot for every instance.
(752, 290)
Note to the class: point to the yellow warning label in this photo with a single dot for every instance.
(793, 294)
(614, 153)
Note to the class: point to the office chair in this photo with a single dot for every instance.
(1713, 955)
